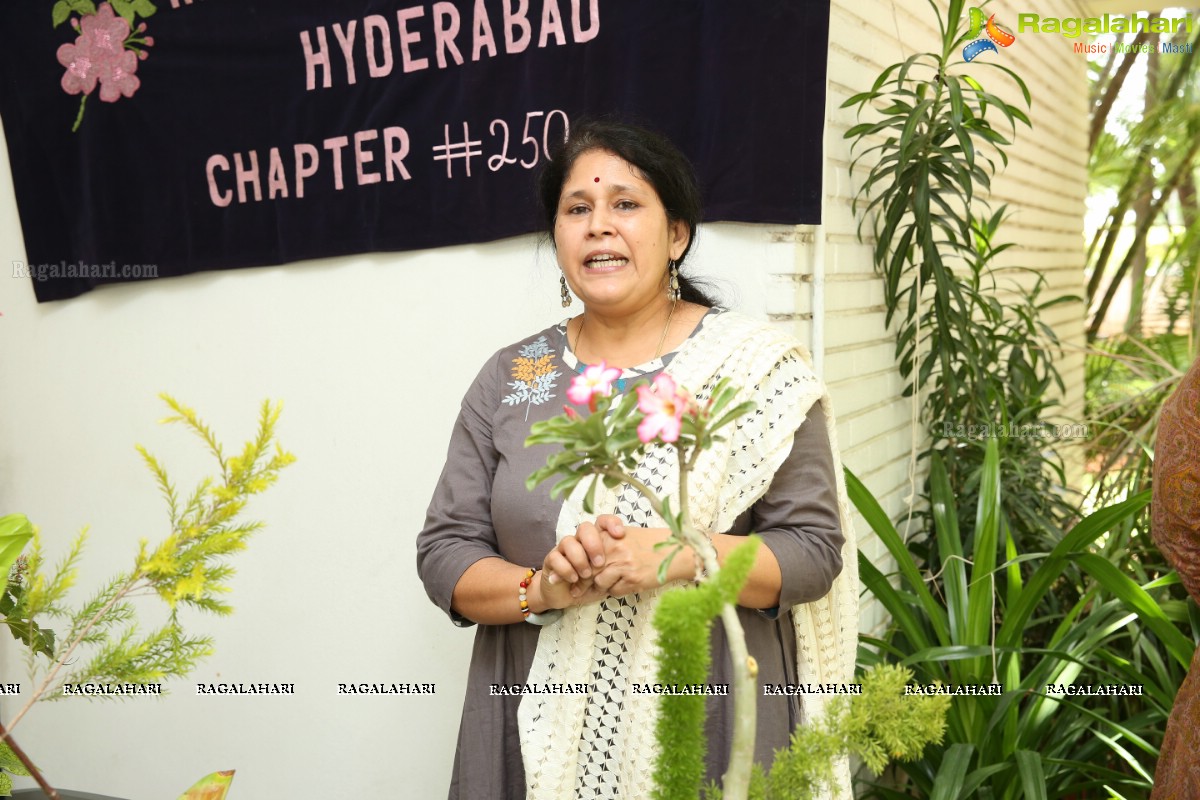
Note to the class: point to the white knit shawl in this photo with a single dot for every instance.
(568, 740)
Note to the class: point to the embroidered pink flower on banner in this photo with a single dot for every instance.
(99, 54)
(595, 381)
(120, 80)
(663, 403)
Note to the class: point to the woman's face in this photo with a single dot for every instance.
(612, 235)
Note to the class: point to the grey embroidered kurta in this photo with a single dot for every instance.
(481, 509)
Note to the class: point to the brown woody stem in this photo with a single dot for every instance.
(47, 789)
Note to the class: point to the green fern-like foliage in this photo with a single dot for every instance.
(683, 621)
(187, 569)
(880, 725)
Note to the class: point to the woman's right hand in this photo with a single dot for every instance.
(561, 594)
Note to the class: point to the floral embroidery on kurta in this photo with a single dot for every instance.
(534, 375)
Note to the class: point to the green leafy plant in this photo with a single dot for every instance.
(684, 622)
(15, 533)
(969, 623)
(982, 364)
(883, 723)
(1128, 379)
(187, 569)
(879, 724)
(9, 763)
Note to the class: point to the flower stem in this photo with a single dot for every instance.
(79, 116)
(736, 780)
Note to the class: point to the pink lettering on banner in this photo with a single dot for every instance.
(345, 40)
(408, 38)
(219, 199)
(276, 177)
(247, 175)
(303, 170)
(316, 58)
(551, 24)
(335, 144)
(443, 35)
(379, 60)
(444, 24)
(395, 149)
(239, 176)
(363, 157)
(594, 18)
(481, 33)
(516, 19)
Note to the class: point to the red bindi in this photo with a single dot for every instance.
(597, 180)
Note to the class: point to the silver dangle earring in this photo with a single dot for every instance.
(673, 291)
(566, 293)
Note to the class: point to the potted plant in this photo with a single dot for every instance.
(97, 642)
(881, 723)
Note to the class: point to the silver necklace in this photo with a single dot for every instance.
(662, 338)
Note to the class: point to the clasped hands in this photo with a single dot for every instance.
(606, 559)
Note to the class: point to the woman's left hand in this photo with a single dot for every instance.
(579, 556)
(627, 560)
(631, 562)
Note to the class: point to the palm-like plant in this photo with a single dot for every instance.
(981, 362)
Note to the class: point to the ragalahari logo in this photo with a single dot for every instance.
(995, 35)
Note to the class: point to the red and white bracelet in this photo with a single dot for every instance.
(546, 617)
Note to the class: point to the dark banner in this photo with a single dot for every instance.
(151, 138)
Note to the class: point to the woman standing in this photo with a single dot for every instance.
(622, 206)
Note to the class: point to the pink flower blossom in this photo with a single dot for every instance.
(99, 54)
(595, 381)
(119, 79)
(82, 70)
(663, 403)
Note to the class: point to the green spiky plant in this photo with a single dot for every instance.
(684, 621)
(969, 623)
(187, 569)
(884, 723)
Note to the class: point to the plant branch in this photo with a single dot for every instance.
(50, 792)
(1143, 229)
(62, 660)
(736, 781)
(1100, 114)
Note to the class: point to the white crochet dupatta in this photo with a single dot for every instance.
(602, 744)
